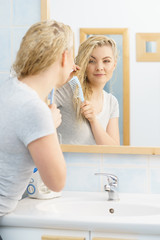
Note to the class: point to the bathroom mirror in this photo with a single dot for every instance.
(119, 84)
(143, 77)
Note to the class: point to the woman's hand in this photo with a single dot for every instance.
(73, 73)
(110, 136)
(87, 111)
(57, 117)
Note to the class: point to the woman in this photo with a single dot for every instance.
(97, 59)
(27, 125)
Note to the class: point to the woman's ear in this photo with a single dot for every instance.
(64, 58)
(115, 64)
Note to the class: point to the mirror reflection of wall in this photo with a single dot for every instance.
(151, 47)
(144, 76)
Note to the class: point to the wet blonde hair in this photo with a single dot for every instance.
(41, 46)
(82, 59)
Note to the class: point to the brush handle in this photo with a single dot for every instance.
(51, 96)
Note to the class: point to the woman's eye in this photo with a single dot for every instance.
(106, 61)
(91, 61)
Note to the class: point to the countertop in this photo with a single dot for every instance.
(42, 214)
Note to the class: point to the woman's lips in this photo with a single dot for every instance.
(99, 75)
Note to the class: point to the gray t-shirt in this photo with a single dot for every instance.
(72, 131)
(24, 117)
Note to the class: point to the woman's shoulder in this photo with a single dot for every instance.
(64, 90)
(63, 95)
(109, 97)
(112, 103)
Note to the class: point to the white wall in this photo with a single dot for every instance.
(137, 16)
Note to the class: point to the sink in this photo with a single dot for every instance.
(88, 211)
(98, 209)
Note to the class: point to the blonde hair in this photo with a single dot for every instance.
(82, 59)
(41, 46)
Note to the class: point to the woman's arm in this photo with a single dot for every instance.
(108, 137)
(102, 137)
(48, 158)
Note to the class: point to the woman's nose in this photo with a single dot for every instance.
(99, 66)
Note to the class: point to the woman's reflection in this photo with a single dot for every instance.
(94, 121)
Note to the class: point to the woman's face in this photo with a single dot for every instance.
(101, 66)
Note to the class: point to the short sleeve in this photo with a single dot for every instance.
(34, 121)
(63, 94)
(114, 107)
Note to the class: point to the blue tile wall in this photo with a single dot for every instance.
(16, 16)
(127, 159)
(17, 35)
(131, 180)
(5, 49)
(83, 158)
(5, 12)
(82, 178)
(155, 180)
(81, 170)
(136, 173)
(26, 12)
(154, 174)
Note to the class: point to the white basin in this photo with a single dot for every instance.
(98, 208)
(85, 211)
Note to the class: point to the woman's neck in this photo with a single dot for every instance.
(97, 100)
(43, 82)
(36, 83)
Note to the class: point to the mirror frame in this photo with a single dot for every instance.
(110, 149)
(45, 10)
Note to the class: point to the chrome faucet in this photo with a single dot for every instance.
(111, 187)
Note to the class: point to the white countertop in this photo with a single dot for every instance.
(43, 213)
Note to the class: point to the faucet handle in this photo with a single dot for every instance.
(112, 179)
(111, 186)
